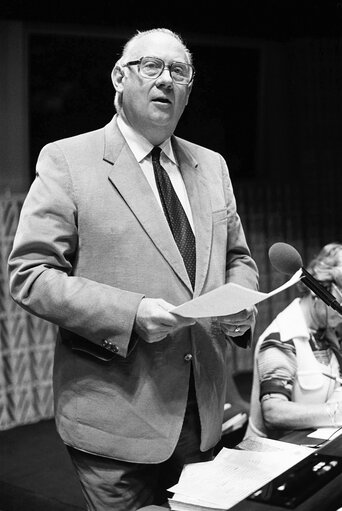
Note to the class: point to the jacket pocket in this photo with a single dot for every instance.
(310, 380)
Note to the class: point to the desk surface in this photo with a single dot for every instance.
(328, 498)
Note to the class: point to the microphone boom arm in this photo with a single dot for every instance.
(320, 291)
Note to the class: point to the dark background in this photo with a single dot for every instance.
(70, 83)
(274, 19)
(69, 75)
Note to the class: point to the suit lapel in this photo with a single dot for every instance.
(128, 178)
(197, 190)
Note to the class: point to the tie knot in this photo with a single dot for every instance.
(155, 153)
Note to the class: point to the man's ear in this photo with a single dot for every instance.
(117, 76)
(189, 92)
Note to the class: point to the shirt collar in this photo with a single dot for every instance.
(291, 322)
(140, 146)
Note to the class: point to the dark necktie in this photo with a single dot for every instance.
(176, 216)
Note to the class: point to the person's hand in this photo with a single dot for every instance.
(237, 324)
(154, 322)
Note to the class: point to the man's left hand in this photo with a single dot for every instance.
(237, 324)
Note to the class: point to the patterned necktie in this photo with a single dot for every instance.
(176, 216)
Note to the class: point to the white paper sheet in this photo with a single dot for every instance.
(232, 476)
(260, 444)
(228, 299)
(325, 433)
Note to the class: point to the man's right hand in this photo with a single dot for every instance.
(154, 322)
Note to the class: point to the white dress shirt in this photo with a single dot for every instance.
(141, 149)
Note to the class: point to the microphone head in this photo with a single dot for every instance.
(285, 258)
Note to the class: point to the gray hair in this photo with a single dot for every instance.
(131, 42)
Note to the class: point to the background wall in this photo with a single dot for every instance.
(267, 95)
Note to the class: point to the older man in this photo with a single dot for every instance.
(119, 226)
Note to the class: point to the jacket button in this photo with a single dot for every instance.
(188, 357)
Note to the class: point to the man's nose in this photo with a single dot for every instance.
(165, 77)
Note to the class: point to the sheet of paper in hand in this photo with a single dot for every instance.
(228, 299)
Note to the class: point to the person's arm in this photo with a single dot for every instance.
(42, 259)
(277, 367)
(280, 413)
(240, 268)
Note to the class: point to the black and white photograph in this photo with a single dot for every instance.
(171, 255)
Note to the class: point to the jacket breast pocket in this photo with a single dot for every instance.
(218, 253)
(310, 380)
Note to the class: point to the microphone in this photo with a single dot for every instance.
(286, 259)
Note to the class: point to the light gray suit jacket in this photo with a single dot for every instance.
(91, 242)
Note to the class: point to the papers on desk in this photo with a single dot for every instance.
(326, 433)
(231, 477)
(260, 444)
(228, 299)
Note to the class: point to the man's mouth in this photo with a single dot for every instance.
(163, 100)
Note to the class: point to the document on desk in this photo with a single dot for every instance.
(326, 433)
(261, 444)
(231, 477)
(228, 299)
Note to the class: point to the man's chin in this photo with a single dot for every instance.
(163, 118)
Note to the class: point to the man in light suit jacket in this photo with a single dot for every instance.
(138, 391)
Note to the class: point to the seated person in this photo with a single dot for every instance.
(289, 390)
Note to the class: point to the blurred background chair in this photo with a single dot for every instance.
(236, 410)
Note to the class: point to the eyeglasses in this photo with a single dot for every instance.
(152, 67)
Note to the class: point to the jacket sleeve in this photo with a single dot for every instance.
(42, 258)
(240, 266)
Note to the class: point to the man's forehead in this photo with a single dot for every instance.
(155, 44)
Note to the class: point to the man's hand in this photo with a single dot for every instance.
(237, 324)
(154, 322)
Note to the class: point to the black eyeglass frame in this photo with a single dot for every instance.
(169, 67)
